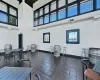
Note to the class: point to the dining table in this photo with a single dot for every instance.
(15, 73)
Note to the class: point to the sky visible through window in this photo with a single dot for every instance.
(3, 17)
(86, 6)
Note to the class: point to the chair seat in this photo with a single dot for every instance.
(91, 74)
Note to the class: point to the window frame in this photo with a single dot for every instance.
(84, 2)
(73, 5)
(40, 20)
(8, 14)
(62, 10)
(48, 18)
(55, 1)
(77, 2)
(95, 3)
(54, 12)
(61, 5)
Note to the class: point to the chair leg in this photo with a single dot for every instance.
(8, 61)
(30, 64)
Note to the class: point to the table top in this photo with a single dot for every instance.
(13, 50)
(14, 73)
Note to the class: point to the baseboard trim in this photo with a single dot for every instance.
(68, 55)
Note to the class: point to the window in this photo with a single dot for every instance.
(41, 20)
(53, 5)
(47, 9)
(62, 13)
(13, 11)
(86, 6)
(70, 1)
(41, 11)
(8, 14)
(61, 3)
(46, 19)
(57, 10)
(72, 10)
(97, 4)
(36, 22)
(3, 17)
(12, 20)
(36, 14)
(3, 7)
(73, 36)
(53, 16)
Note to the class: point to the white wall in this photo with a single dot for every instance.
(8, 36)
(25, 22)
(89, 32)
(14, 3)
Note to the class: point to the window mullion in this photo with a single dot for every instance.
(43, 15)
(94, 5)
(8, 13)
(78, 6)
(49, 11)
(57, 9)
(66, 8)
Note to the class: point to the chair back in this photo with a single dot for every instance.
(33, 47)
(57, 50)
(8, 48)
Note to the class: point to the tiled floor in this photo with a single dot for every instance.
(49, 67)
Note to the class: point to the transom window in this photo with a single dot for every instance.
(13, 11)
(53, 6)
(61, 3)
(47, 9)
(41, 12)
(70, 1)
(3, 7)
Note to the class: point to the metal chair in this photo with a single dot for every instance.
(8, 53)
(64, 50)
(23, 59)
(57, 50)
(33, 48)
